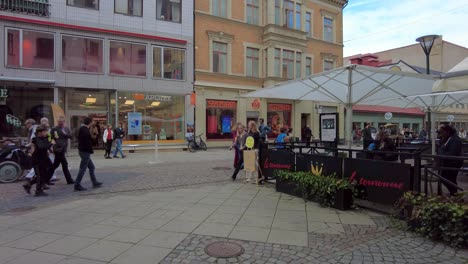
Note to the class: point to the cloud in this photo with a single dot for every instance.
(372, 26)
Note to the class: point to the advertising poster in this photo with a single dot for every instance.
(379, 181)
(329, 127)
(134, 123)
(226, 124)
(276, 160)
(319, 164)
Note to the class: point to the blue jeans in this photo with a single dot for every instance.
(86, 163)
(118, 147)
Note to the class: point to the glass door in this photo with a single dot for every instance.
(100, 121)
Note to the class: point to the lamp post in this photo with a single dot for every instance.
(426, 43)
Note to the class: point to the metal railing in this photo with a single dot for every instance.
(30, 7)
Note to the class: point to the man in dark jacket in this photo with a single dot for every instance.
(61, 134)
(450, 146)
(85, 148)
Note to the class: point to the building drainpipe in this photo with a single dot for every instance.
(193, 69)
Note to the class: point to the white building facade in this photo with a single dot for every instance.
(122, 62)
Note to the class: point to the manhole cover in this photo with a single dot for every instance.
(22, 209)
(224, 250)
(221, 168)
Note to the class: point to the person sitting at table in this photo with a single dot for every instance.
(385, 143)
(281, 138)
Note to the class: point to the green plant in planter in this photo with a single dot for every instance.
(319, 188)
(437, 217)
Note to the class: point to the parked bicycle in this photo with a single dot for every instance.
(14, 161)
(193, 145)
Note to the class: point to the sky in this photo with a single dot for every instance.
(377, 25)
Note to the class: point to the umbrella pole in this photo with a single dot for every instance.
(349, 126)
(433, 133)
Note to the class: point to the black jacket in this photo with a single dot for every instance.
(119, 133)
(61, 138)
(451, 148)
(41, 151)
(84, 140)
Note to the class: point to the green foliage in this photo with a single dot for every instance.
(437, 217)
(319, 188)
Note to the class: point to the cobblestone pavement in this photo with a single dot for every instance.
(170, 211)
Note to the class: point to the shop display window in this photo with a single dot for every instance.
(168, 63)
(144, 115)
(127, 59)
(278, 116)
(81, 54)
(220, 119)
(36, 51)
(35, 104)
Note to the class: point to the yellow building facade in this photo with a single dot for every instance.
(245, 45)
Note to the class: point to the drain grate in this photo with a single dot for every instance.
(220, 168)
(21, 209)
(224, 250)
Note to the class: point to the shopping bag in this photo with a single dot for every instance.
(249, 160)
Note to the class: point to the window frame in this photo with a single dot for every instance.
(162, 63)
(125, 75)
(326, 26)
(298, 14)
(249, 58)
(84, 37)
(286, 10)
(90, 8)
(179, 22)
(250, 7)
(21, 50)
(212, 57)
(298, 64)
(308, 23)
(128, 5)
(286, 61)
(330, 61)
(219, 8)
(307, 59)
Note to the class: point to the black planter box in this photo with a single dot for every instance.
(343, 199)
(288, 187)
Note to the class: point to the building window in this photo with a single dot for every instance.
(91, 4)
(252, 62)
(127, 59)
(278, 116)
(169, 10)
(265, 55)
(129, 7)
(168, 63)
(288, 13)
(328, 29)
(219, 7)
(298, 17)
(220, 119)
(298, 64)
(278, 12)
(252, 11)
(278, 62)
(308, 24)
(308, 66)
(328, 65)
(219, 57)
(288, 64)
(36, 51)
(81, 54)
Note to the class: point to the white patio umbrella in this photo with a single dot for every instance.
(456, 79)
(348, 86)
(432, 102)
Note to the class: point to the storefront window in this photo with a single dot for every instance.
(220, 119)
(81, 54)
(144, 115)
(35, 104)
(168, 63)
(279, 116)
(127, 59)
(36, 49)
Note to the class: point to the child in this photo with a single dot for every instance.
(41, 162)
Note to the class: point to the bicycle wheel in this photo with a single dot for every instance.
(10, 171)
(203, 146)
(192, 147)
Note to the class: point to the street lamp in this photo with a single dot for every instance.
(426, 43)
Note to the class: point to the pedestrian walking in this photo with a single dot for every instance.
(61, 134)
(108, 138)
(235, 134)
(119, 134)
(450, 146)
(41, 162)
(85, 149)
(239, 145)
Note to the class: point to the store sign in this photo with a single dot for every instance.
(450, 118)
(159, 98)
(13, 120)
(3, 93)
(218, 104)
(279, 107)
(379, 181)
(256, 104)
(274, 160)
(388, 116)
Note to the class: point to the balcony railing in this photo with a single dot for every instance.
(31, 7)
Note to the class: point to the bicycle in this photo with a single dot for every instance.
(193, 145)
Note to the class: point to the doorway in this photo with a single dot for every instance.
(76, 119)
(305, 121)
(252, 116)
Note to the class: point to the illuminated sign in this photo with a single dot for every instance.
(256, 104)
(3, 93)
(213, 104)
(279, 107)
(160, 98)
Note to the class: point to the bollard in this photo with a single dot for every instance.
(156, 151)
